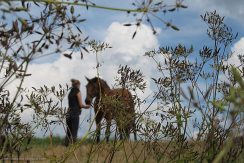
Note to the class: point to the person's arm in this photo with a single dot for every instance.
(80, 102)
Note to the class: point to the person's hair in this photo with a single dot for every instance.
(75, 82)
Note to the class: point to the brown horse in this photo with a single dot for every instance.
(111, 104)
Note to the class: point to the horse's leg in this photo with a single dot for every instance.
(124, 133)
(107, 132)
(134, 130)
(98, 125)
(98, 132)
(121, 130)
(135, 136)
(127, 132)
(121, 133)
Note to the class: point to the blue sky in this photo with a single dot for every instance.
(108, 26)
(192, 28)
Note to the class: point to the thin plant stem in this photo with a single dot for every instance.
(140, 10)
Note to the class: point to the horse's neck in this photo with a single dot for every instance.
(103, 92)
(105, 89)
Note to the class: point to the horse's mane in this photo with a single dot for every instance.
(102, 82)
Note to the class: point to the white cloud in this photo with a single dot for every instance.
(120, 36)
(124, 51)
(237, 49)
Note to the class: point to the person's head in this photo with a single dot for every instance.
(75, 83)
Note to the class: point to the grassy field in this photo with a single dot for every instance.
(42, 150)
(88, 151)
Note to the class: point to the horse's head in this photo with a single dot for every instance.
(92, 90)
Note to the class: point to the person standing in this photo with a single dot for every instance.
(74, 111)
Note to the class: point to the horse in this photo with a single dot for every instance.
(117, 104)
(2, 140)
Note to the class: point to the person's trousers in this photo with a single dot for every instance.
(72, 122)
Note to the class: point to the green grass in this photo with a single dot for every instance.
(46, 141)
(240, 159)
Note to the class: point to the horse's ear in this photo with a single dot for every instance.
(87, 79)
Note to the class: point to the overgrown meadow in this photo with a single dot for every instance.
(198, 116)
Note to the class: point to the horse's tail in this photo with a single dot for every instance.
(134, 128)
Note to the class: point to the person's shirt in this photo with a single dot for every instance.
(74, 107)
